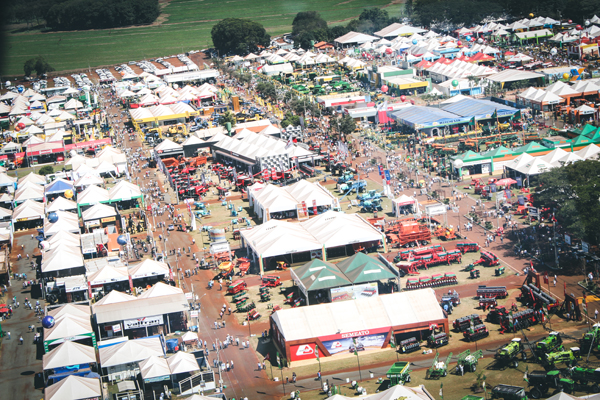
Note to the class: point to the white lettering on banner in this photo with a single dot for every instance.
(304, 350)
(194, 314)
(143, 322)
(353, 334)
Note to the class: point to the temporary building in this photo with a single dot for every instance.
(277, 237)
(568, 158)
(480, 109)
(29, 192)
(554, 155)
(33, 178)
(155, 368)
(534, 167)
(393, 393)
(5, 214)
(28, 210)
(61, 204)
(370, 320)
(124, 191)
(68, 354)
(92, 195)
(335, 229)
(6, 180)
(106, 168)
(63, 237)
(66, 263)
(89, 179)
(71, 309)
(108, 274)
(130, 351)
(74, 388)
(148, 268)
(67, 222)
(58, 186)
(589, 152)
(98, 211)
(182, 362)
(318, 275)
(68, 328)
(361, 268)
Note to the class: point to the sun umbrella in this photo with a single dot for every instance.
(505, 182)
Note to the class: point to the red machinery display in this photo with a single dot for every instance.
(488, 259)
(496, 292)
(434, 281)
(408, 232)
(463, 323)
(478, 332)
(468, 247)
(428, 257)
(513, 322)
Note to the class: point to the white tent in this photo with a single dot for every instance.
(62, 261)
(68, 238)
(72, 309)
(28, 210)
(89, 179)
(277, 237)
(154, 367)
(534, 167)
(393, 393)
(61, 204)
(554, 155)
(585, 110)
(68, 326)
(147, 268)
(98, 211)
(168, 145)
(67, 221)
(183, 362)
(106, 167)
(93, 195)
(29, 192)
(33, 178)
(6, 180)
(130, 351)
(159, 290)
(569, 158)
(520, 161)
(124, 190)
(108, 274)
(589, 152)
(5, 214)
(333, 229)
(67, 354)
(74, 388)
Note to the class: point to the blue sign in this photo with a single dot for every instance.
(387, 175)
(381, 171)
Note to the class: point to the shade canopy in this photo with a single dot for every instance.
(361, 268)
(130, 351)
(154, 367)
(319, 275)
(67, 354)
(182, 362)
(75, 388)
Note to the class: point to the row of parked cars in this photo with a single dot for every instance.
(82, 80)
(105, 75)
(125, 68)
(61, 81)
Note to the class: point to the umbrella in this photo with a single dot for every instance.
(3, 310)
(2, 305)
(505, 182)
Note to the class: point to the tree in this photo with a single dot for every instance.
(376, 16)
(46, 170)
(38, 64)
(290, 119)
(267, 90)
(337, 31)
(238, 36)
(456, 12)
(572, 192)
(227, 117)
(308, 21)
(344, 125)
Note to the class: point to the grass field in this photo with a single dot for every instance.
(183, 25)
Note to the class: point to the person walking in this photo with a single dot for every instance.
(21, 340)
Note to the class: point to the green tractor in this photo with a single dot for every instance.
(508, 355)
(438, 368)
(584, 376)
(549, 344)
(568, 357)
(590, 339)
(399, 373)
(508, 392)
(541, 381)
(469, 360)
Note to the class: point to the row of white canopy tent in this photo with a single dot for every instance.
(527, 164)
(94, 194)
(145, 269)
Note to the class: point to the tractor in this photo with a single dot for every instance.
(469, 360)
(584, 376)
(591, 339)
(508, 354)
(568, 357)
(438, 368)
(553, 342)
(540, 381)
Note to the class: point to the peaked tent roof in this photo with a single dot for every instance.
(361, 268)
(93, 195)
(130, 351)
(99, 211)
(68, 326)
(35, 178)
(61, 204)
(29, 209)
(588, 152)
(498, 152)
(182, 362)
(74, 387)
(318, 274)
(113, 297)
(154, 367)
(72, 309)
(332, 229)
(148, 267)
(530, 147)
(59, 186)
(67, 354)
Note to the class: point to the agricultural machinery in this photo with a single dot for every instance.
(551, 343)
(370, 195)
(541, 381)
(496, 292)
(508, 392)
(535, 298)
(409, 345)
(436, 340)
(585, 376)
(488, 259)
(468, 247)
(462, 324)
(508, 355)
(436, 280)
(567, 357)
(469, 360)
(477, 332)
(591, 339)
(408, 232)
(518, 320)
(399, 373)
(438, 368)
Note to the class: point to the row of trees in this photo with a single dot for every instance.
(37, 64)
(238, 36)
(82, 14)
(309, 26)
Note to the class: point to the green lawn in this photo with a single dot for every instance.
(186, 25)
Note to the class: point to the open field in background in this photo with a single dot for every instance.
(183, 25)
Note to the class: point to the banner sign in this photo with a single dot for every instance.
(143, 322)
(354, 292)
(373, 338)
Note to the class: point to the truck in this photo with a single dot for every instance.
(508, 355)
(540, 381)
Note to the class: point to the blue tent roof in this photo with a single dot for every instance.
(480, 109)
(59, 186)
(426, 117)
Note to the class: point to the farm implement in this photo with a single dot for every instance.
(477, 332)
(469, 360)
(438, 368)
(436, 280)
(408, 232)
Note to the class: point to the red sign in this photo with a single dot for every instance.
(304, 208)
(315, 207)
(346, 335)
(302, 352)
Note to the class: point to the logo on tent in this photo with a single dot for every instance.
(304, 350)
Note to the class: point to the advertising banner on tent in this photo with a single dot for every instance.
(369, 338)
(302, 352)
(143, 322)
(533, 212)
(354, 292)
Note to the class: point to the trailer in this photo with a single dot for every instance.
(437, 340)
(497, 292)
(399, 373)
(508, 392)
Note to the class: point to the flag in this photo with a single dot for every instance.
(565, 290)
(584, 305)
(525, 374)
(442, 391)
(472, 122)
(317, 352)
(393, 341)
(495, 114)
(290, 142)
(355, 347)
(279, 361)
